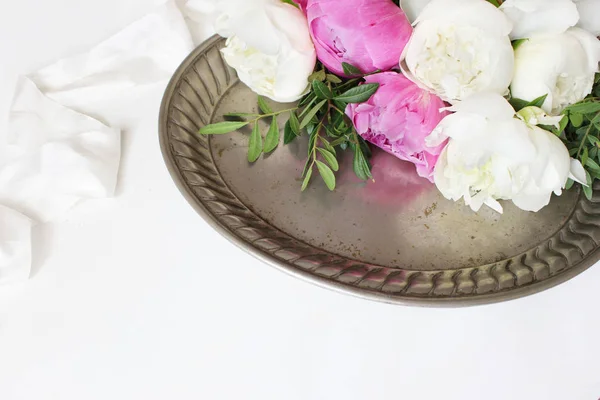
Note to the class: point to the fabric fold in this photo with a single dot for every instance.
(57, 154)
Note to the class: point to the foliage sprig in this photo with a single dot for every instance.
(321, 116)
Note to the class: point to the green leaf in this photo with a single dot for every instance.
(576, 119)
(311, 143)
(307, 179)
(587, 190)
(272, 138)
(351, 70)
(591, 164)
(255, 147)
(518, 104)
(585, 156)
(329, 159)
(360, 165)
(593, 140)
(240, 115)
(595, 174)
(333, 79)
(563, 124)
(341, 106)
(317, 76)
(222, 127)
(326, 174)
(358, 94)
(494, 2)
(288, 134)
(330, 131)
(569, 184)
(517, 43)
(290, 2)
(308, 164)
(338, 142)
(294, 123)
(581, 132)
(364, 146)
(309, 116)
(262, 104)
(308, 107)
(306, 99)
(321, 90)
(328, 146)
(347, 85)
(538, 102)
(584, 108)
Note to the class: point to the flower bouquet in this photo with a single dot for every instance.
(490, 100)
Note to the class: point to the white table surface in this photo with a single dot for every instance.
(121, 306)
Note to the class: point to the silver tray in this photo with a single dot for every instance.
(395, 240)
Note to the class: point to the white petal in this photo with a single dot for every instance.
(437, 137)
(532, 202)
(589, 11)
(494, 205)
(480, 14)
(577, 172)
(540, 17)
(201, 6)
(412, 8)
(489, 105)
(590, 45)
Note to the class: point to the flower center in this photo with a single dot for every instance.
(452, 63)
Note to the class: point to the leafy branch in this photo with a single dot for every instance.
(321, 115)
(580, 131)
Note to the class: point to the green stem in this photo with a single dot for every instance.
(336, 109)
(273, 114)
(347, 84)
(314, 149)
(587, 133)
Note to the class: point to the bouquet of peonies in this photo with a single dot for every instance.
(490, 100)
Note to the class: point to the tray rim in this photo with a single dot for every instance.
(322, 281)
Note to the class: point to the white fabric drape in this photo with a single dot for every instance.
(58, 151)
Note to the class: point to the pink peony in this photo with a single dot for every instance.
(398, 118)
(369, 34)
(301, 3)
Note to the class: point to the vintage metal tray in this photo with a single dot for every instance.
(396, 240)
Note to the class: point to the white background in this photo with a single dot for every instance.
(137, 298)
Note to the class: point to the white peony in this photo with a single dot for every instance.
(268, 44)
(589, 12)
(561, 66)
(459, 48)
(540, 17)
(528, 11)
(491, 156)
